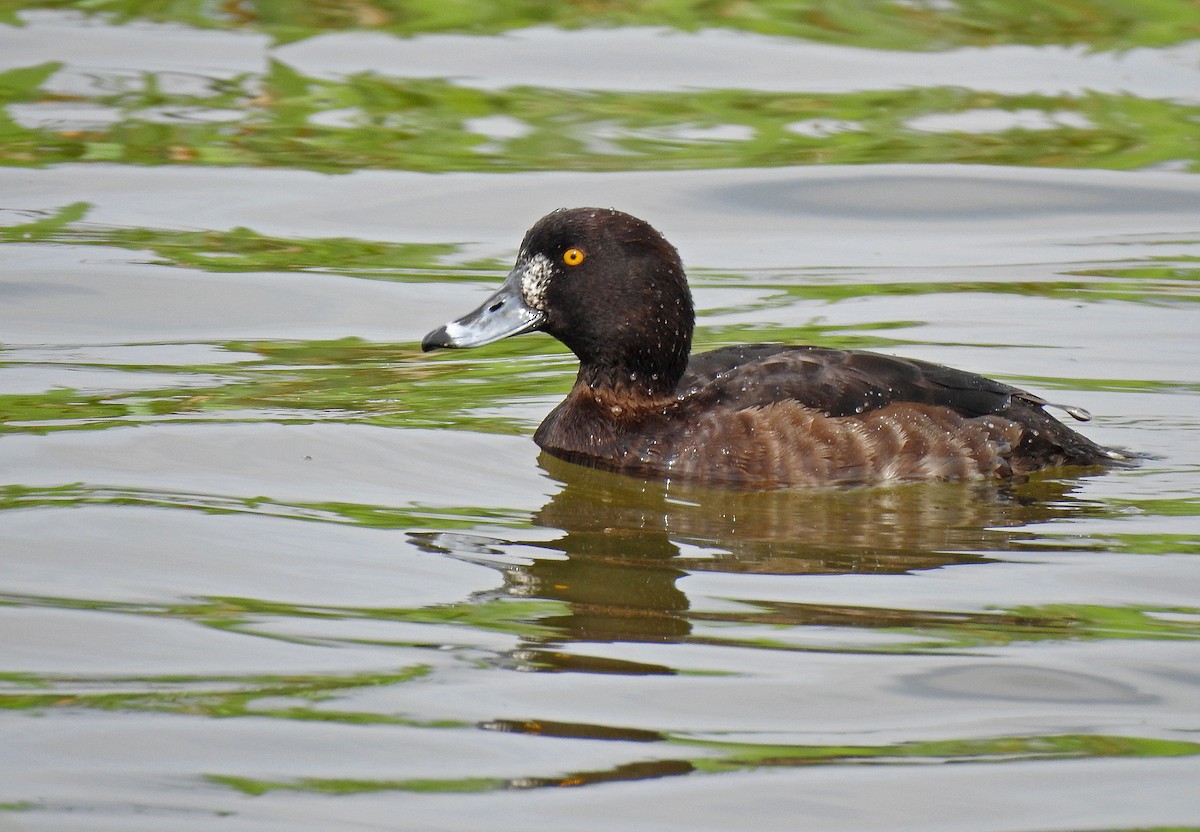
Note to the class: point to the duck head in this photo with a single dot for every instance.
(605, 284)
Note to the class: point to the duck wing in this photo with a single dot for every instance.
(841, 382)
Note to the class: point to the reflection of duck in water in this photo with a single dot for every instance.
(627, 542)
(763, 416)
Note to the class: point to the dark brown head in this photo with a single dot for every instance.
(605, 284)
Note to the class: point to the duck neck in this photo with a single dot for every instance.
(649, 375)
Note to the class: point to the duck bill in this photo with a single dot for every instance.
(502, 315)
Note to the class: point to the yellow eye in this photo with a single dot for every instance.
(573, 256)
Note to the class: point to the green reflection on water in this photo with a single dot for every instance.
(518, 617)
(19, 806)
(1144, 544)
(279, 119)
(232, 697)
(325, 785)
(347, 380)
(214, 696)
(938, 631)
(885, 25)
(727, 757)
(737, 757)
(246, 250)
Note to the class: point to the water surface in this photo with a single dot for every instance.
(267, 566)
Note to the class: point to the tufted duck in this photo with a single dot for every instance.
(611, 289)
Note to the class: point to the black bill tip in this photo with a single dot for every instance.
(436, 340)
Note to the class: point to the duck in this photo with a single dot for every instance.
(611, 288)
